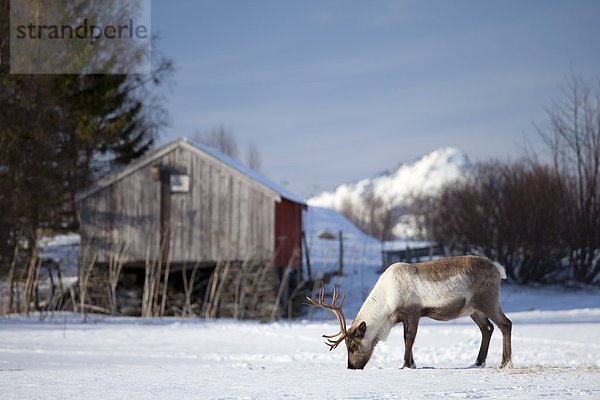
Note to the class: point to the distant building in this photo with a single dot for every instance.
(201, 205)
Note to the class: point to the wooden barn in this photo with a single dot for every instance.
(195, 204)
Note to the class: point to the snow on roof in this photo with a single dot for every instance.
(159, 152)
(283, 192)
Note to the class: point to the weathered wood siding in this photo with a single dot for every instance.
(225, 215)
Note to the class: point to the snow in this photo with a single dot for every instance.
(423, 176)
(556, 355)
(362, 255)
(245, 170)
(63, 249)
(556, 352)
(403, 244)
(360, 250)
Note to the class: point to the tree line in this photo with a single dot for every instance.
(60, 132)
(539, 218)
(538, 215)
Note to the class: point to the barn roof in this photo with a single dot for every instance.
(283, 192)
(161, 151)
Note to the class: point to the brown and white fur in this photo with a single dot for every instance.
(442, 289)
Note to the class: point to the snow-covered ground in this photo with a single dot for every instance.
(64, 249)
(556, 346)
(556, 352)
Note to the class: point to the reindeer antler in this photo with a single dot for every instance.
(332, 340)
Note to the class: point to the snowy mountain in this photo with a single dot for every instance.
(423, 176)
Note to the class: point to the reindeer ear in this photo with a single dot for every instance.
(360, 331)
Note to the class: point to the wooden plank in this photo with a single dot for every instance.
(205, 212)
(223, 215)
(235, 217)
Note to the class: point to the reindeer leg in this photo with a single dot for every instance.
(505, 325)
(486, 328)
(490, 306)
(410, 332)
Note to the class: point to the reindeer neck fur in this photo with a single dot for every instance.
(378, 310)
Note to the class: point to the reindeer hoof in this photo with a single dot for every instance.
(411, 366)
(507, 364)
(472, 366)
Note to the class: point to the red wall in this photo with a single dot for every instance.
(288, 234)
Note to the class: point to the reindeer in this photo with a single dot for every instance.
(442, 289)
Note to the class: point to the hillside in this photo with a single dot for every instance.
(396, 187)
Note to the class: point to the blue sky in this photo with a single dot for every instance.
(334, 91)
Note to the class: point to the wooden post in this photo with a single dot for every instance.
(308, 268)
(165, 214)
(341, 237)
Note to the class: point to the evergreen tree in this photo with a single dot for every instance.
(60, 132)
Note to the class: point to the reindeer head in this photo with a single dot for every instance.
(359, 349)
